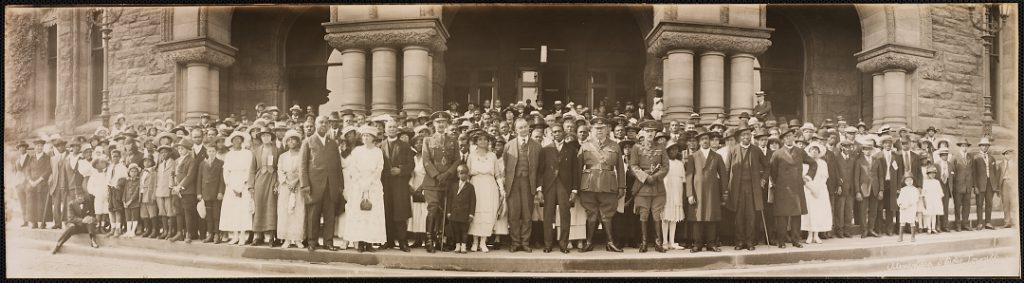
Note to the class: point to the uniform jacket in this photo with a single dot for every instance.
(440, 158)
(598, 161)
(511, 158)
(654, 162)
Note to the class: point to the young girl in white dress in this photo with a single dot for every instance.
(910, 202)
(674, 181)
(819, 210)
(365, 186)
(237, 208)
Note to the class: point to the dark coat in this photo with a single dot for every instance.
(397, 203)
(185, 174)
(39, 168)
(758, 170)
(562, 166)
(321, 170)
(962, 173)
(863, 177)
(461, 205)
(787, 174)
(982, 182)
(211, 179)
(915, 168)
(707, 186)
(845, 168)
(879, 169)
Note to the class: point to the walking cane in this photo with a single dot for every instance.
(763, 223)
(443, 220)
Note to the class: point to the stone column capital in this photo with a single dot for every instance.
(198, 50)
(892, 56)
(429, 33)
(668, 36)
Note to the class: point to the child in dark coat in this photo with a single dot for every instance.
(461, 205)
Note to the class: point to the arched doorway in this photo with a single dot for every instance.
(583, 54)
(281, 58)
(810, 71)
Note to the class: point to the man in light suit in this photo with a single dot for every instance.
(58, 183)
(986, 183)
(521, 156)
(321, 184)
(560, 181)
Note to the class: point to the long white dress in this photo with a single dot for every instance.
(339, 225)
(418, 223)
(365, 177)
(291, 209)
(577, 219)
(819, 210)
(484, 170)
(674, 191)
(97, 187)
(236, 211)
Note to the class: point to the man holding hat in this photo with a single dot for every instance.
(986, 182)
(961, 185)
(748, 175)
(786, 167)
(440, 160)
(602, 183)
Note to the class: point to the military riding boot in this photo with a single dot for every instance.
(611, 242)
(589, 245)
(659, 245)
(429, 243)
(643, 235)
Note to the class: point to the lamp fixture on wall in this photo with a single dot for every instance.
(104, 17)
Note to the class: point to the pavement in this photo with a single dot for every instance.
(28, 257)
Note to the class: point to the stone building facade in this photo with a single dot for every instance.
(901, 65)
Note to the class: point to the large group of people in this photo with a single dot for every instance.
(518, 177)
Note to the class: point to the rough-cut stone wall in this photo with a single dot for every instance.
(141, 83)
(22, 40)
(951, 85)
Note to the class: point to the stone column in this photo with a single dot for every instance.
(438, 76)
(213, 98)
(756, 76)
(415, 84)
(877, 99)
(353, 77)
(678, 84)
(383, 79)
(712, 85)
(431, 91)
(741, 91)
(895, 98)
(197, 88)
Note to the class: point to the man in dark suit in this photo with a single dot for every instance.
(38, 170)
(786, 167)
(842, 210)
(398, 164)
(58, 182)
(521, 156)
(440, 158)
(321, 184)
(986, 183)
(708, 176)
(887, 169)
(211, 188)
(185, 188)
(864, 182)
(748, 173)
(831, 156)
(961, 185)
(560, 179)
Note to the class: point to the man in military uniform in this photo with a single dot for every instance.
(649, 164)
(441, 158)
(600, 187)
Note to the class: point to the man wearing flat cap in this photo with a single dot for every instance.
(440, 160)
(786, 170)
(602, 183)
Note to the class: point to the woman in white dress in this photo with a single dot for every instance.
(237, 208)
(345, 146)
(291, 210)
(819, 210)
(485, 174)
(674, 182)
(364, 169)
(501, 224)
(418, 225)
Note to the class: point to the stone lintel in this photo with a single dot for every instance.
(198, 50)
(892, 56)
(427, 32)
(699, 37)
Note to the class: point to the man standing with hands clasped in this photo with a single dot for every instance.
(649, 164)
(602, 183)
(399, 163)
(440, 160)
(522, 157)
(560, 181)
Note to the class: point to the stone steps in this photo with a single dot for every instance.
(392, 262)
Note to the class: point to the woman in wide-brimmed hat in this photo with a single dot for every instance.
(237, 207)
(819, 210)
(291, 209)
(264, 182)
(365, 186)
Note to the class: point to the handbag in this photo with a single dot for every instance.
(365, 204)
